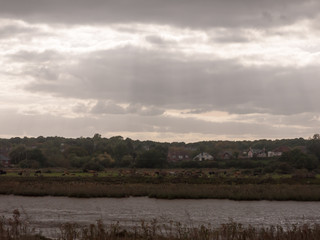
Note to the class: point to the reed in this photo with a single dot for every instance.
(167, 188)
(16, 228)
(81, 188)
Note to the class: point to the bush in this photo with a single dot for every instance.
(151, 159)
(78, 162)
(300, 160)
(92, 165)
(190, 164)
(29, 164)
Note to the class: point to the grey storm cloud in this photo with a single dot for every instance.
(186, 13)
(159, 41)
(155, 39)
(234, 36)
(160, 81)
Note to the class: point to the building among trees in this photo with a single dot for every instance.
(203, 157)
(177, 154)
(4, 161)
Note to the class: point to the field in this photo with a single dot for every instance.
(168, 184)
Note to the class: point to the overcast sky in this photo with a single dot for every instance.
(164, 70)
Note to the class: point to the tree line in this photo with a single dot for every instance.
(97, 153)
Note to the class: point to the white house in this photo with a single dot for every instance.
(257, 153)
(274, 154)
(203, 156)
(278, 151)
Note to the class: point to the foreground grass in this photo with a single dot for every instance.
(17, 229)
(114, 187)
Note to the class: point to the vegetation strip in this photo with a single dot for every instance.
(167, 190)
(17, 228)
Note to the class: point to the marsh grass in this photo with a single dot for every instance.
(262, 188)
(83, 188)
(16, 228)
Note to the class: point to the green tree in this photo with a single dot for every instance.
(154, 158)
(78, 162)
(18, 154)
(96, 140)
(36, 155)
(105, 160)
(93, 165)
(297, 159)
(29, 164)
(126, 161)
(314, 145)
(78, 151)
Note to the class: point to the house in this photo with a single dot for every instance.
(274, 154)
(4, 161)
(225, 155)
(277, 152)
(260, 153)
(203, 156)
(177, 154)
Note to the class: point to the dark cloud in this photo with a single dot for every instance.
(155, 39)
(159, 41)
(232, 37)
(187, 13)
(148, 79)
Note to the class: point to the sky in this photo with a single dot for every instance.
(162, 70)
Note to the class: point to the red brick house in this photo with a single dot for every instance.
(4, 161)
(177, 154)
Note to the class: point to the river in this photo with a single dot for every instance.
(47, 213)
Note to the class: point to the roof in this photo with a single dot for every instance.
(203, 154)
(281, 149)
(256, 151)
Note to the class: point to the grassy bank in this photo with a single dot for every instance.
(17, 229)
(105, 187)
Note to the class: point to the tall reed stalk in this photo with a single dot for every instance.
(16, 228)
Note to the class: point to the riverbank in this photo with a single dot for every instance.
(115, 187)
(16, 228)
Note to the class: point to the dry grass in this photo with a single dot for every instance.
(17, 229)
